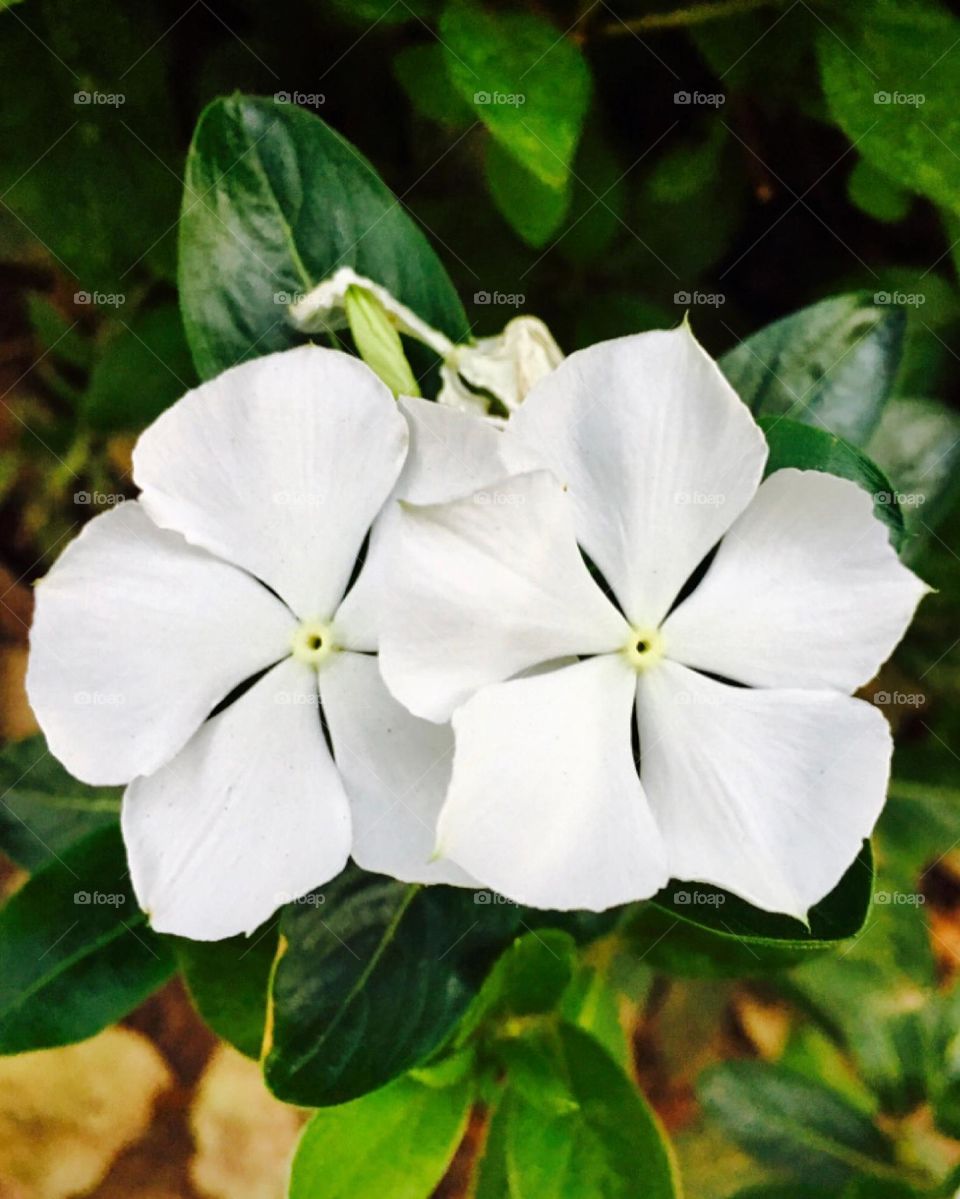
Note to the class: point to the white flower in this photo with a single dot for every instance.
(257, 492)
(505, 366)
(757, 770)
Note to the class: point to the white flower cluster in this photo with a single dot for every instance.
(343, 625)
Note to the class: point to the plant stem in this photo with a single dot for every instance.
(696, 14)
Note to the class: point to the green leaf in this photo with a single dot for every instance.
(526, 82)
(372, 980)
(892, 91)
(831, 365)
(786, 1120)
(76, 952)
(229, 982)
(876, 194)
(275, 201)
(607, 1143)
(378, 342)
(395, 1142)
(43, 809)
(142, 370)
(917, 443)
(534, 209)
(422, 73)
(808, 448)
(529, 977)
(693, 929)
(56, 333)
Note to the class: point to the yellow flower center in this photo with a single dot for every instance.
(644, 649)
(313, 643)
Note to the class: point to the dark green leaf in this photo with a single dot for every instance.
(876, 194)
(786, 1120)
(372, 980)
(229, 983)
(527, 83)
(607, 1143)
(831, 365)
(808, 448)
(395, 1142)
(534, 209)
(44, 810)
(76, 952)
(275, 201)
(891, 89)
(422, 72)
(693, 929)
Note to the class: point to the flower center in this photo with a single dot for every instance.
(313, 643)
(644, 649)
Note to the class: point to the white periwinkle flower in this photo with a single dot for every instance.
(755, 771)
(233, 567)
(505, 366)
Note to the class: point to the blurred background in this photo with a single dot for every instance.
(722, 170)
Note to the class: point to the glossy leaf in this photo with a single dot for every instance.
(43, 809)
(371, 980)
(831, 365)
(229, 982)
(608, 1142)
(395, 1142)
(527, 83)
(693, 929)
(275, 201)
(76, 952)
(786, 1120)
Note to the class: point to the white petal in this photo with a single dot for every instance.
(659, 454)
(805, 590)
(250, 815)
(451, 454)
(766, 793)
(507, 365)
(487, 586)
(322, 310)
(279, 465)
(545, 805)
(395, 768)
(136, 637)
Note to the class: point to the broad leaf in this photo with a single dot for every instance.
(693, 929)
(395, 1142)
(229, 982)
(527, 83)
(892, 90)
(275, 202)
(808, 448)
(831, 365)
(76, 952)
(784, 1119)
(608, 1142)
(43, 809)
(371, 979)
